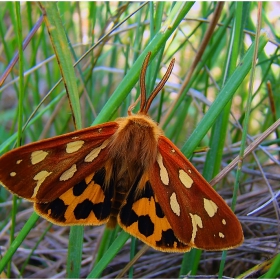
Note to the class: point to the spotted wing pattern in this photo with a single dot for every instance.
(87, 203)
(141, 215)
(196, 212)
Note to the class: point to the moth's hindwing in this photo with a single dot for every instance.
(141, 215)
(87, 203)
(197, 214)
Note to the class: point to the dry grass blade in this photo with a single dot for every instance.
(247, 151)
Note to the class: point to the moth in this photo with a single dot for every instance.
(127, 172)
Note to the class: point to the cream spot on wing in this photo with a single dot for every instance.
(185, 179)
(221, 235)
(75, 137)
(13, 174)
(196, 222)
(74, 146)
(95, 152)
(19, 161)
(210, 207)
(38, 156)
(224, 222)
(162, 170)
(40, 177)
(174, 204)
(66, 175)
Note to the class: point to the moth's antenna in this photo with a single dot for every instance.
(143, 82)
(159, 87)
(145, 105)
(142, 95)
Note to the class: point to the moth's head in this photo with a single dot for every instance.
(145, 104)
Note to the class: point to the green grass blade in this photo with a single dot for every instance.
(111, 252)
(274, 271)
(75, 248)
(218, 134)
(20, 114)
(63, 55)
(223, 98)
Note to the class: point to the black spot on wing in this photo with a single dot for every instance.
(159, 211)
(56, 209)
(83, 209)
(145, 225)
(99, 177)
(148, 191)
(101, 210)
(169, 240)
(127, 215)
(79, 188)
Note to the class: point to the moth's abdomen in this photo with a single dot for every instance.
(118, 199)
